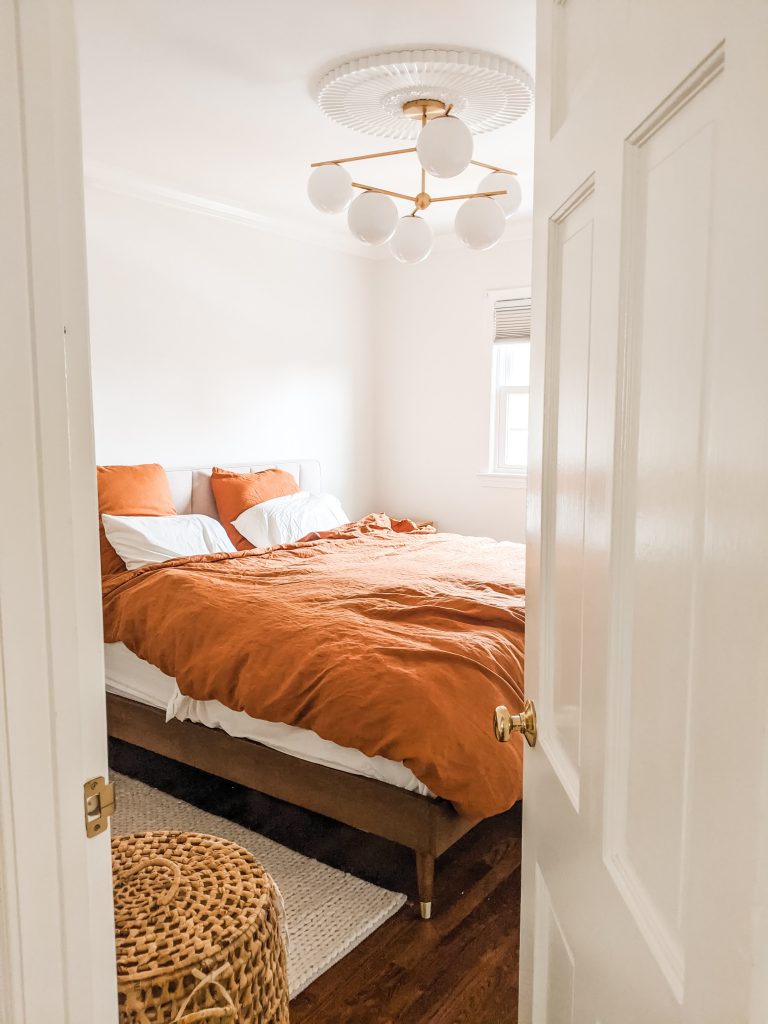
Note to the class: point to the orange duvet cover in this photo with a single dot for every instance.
(377, 635)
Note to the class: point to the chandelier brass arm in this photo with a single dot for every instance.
(414, 199)
(383, 191)
(401, 152)
(468, 195)
(365, 156)
(493, 167)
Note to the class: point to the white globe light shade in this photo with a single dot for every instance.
(330, 188)
(480, 222)
(412, 240)
(495, 182)
(372, 218)
(445, 147)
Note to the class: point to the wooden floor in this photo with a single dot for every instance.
(458, 968)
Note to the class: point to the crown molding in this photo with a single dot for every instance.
(107, 178)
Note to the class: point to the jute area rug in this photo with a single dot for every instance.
(328, 912)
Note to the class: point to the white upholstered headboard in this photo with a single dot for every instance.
(191, 488)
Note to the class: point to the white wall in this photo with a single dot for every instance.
(214, 341)
(433, 387)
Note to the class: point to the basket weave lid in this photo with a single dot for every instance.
(182, 898)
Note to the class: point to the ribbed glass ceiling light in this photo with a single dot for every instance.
(442, 97)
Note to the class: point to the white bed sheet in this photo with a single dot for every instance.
(129, 676)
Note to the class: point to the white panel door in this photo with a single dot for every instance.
(643, 878)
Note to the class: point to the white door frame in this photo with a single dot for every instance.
(56, 928)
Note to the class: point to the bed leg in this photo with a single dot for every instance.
(425, 880)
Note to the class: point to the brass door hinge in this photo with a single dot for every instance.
(99, 802)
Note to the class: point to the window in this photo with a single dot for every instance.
(511, 372)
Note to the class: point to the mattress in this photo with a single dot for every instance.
(129, 676)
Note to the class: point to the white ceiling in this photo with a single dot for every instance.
(215, 98)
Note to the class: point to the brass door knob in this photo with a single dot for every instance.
(504, 724)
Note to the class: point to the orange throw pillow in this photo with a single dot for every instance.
(235, 492)
(130, 491)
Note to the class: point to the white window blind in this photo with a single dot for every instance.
(511, 368)
(512, 320)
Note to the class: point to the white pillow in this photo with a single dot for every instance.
(287, 519)
(146, 540)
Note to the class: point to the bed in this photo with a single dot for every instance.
(148, 707)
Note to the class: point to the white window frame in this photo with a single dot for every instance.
(499, 474)
(500, 428)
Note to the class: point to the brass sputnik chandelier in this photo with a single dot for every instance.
(422, 92)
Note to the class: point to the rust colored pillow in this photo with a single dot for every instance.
(235, 492)
(130, 491)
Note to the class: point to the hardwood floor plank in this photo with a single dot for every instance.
(468, 953)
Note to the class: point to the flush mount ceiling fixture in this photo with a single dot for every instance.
(441, 98)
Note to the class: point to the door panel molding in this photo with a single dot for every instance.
(554, 965)
(657, 551)
(700, 77)
(564, 474)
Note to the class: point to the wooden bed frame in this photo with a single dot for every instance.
(426, 825)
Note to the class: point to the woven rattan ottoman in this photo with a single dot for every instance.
(198, 929)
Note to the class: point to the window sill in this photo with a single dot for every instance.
(515, 480)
